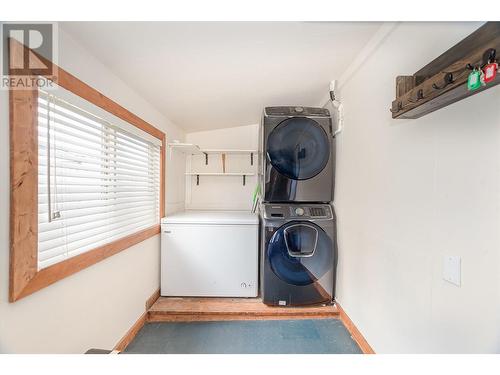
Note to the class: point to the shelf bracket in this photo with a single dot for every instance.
(244, 180)
(206, 158)
(251, 158)
(197, 179)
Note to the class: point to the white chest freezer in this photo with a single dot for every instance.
(210, 254)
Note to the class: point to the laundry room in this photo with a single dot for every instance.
(303, 186)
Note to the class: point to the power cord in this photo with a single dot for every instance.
(338, 106)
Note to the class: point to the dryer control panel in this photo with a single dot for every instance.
(296, 211)
(296, 111)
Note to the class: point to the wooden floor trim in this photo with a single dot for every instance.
(355, 333)
(156, 318)
(139, 323)
(151, 300)
(131, 333)
(168, 309)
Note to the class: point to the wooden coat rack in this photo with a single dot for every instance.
(444, 80)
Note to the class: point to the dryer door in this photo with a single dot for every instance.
(300, 253)
(298, 148)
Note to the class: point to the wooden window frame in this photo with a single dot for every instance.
(24, 277)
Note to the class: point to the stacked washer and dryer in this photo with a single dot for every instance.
(298, 228)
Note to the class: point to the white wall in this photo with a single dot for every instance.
(410, 192)
(95, 307)
(222, 192)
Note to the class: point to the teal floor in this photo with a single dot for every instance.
(321, 336)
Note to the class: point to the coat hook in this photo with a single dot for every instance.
(448, 78)
(399, 108)
(489, 56)
(420, 95)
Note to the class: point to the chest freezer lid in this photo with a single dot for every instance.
(212, 217)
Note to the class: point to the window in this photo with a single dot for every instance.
(87, 181)
(97, 182)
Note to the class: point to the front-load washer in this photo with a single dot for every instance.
(296, 152)
(298, 254)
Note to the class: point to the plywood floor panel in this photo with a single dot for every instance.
(212, 309)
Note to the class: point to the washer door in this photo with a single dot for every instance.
(300, 253)
(298, 148)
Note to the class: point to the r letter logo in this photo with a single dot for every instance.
(28, 51)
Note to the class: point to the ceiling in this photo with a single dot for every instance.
(210, 75)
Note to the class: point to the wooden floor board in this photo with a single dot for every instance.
(203, 309)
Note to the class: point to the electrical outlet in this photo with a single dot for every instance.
(452, 269)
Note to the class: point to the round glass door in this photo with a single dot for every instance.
(298, 148)
(300, 253)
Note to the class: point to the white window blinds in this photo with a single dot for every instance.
(98, 177)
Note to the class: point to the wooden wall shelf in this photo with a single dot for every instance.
(444, 80)
(219, 174)
(228, 151)
(192, 149)
(241, 174)
(186, 148)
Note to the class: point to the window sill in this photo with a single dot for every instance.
(68, 267)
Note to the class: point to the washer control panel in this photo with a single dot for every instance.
(296, 211)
